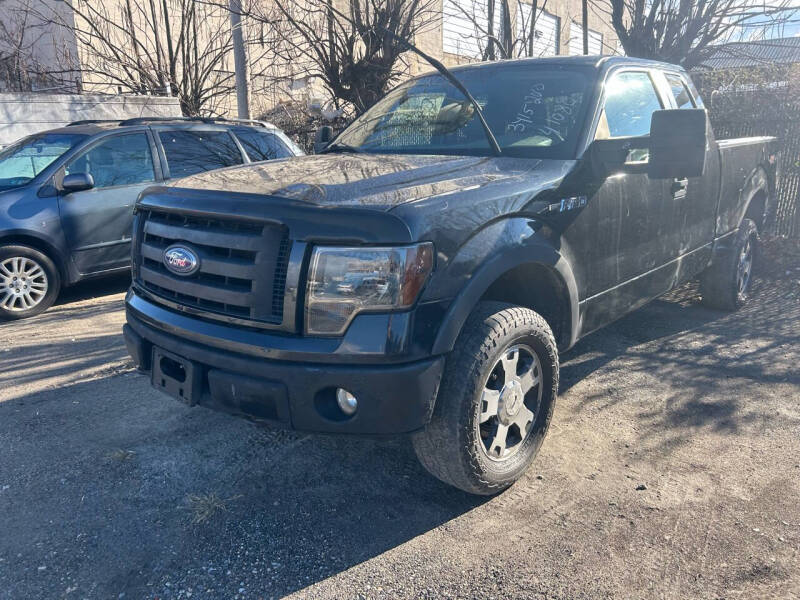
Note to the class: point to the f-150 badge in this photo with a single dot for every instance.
(566, 204)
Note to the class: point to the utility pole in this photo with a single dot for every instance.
(239, 59)
(585, 7)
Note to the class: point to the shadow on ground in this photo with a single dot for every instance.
(698, 353)
(81, 334)
(102, 482)
(93, 288)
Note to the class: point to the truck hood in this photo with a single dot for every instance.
(376, 181)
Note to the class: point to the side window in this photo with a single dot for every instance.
(189, 152)
(683, 98)
(698, 101)
(261, 145)
(630, 102)
(119, 160)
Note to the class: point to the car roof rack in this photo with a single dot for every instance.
(145, 120)
(92, 121)
(210, 120)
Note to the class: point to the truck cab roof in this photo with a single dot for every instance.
(593, 61)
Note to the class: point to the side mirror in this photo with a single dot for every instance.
(677, 144)
(77, 182)
(322, 138)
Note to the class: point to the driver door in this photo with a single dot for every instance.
(637, 204)
(97, 222)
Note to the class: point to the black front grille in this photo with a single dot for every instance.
(242, 270)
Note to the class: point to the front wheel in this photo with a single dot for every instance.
(29, 282)
(495, 403)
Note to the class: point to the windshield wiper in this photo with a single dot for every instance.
(456, 83)
(444, 71)
(342, 147)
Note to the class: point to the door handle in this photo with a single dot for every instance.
(678, 187)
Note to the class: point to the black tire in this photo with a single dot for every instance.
(721, 284)
(453, 447)
(13, 306)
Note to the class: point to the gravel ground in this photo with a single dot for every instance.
(671, 471)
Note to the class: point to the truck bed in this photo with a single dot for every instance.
(741, 160)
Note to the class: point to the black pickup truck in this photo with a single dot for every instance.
(422, 274)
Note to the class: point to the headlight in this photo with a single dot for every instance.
(345, 281)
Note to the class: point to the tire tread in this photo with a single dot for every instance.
(444, 448)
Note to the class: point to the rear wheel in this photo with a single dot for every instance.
(495, 403)
(726, 283)
(29, 282)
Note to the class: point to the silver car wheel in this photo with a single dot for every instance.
(509, 403)
(23, 283)
(745, 267)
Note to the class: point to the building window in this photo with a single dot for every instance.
(545, 32)
(576, 40)
(465, 26)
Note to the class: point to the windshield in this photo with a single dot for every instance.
(533, 111)
(21, 162)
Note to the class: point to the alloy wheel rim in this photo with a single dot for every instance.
(23, 283)
(744, 268)
(509, 403)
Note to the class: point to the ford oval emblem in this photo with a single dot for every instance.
(181, 260)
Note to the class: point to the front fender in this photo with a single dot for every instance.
(492, 252)
(54, 246)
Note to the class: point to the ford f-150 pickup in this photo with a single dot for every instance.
(422, 273)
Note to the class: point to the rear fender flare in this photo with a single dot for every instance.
(756, 182)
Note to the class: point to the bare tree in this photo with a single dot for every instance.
(501, 29)
(680, 31)
(344, 44)
(168, 47)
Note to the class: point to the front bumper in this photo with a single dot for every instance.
(393, 398)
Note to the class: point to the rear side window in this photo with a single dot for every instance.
(118, 160)
(698, 101)
(630, 102)
(683, 98)
(189, 152)
(261, 145)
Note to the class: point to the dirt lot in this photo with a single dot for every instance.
(110, 490)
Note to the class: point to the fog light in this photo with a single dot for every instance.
(346, 401)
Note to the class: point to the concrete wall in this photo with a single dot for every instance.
(23, 114)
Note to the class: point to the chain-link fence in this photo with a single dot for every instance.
(762, 101)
